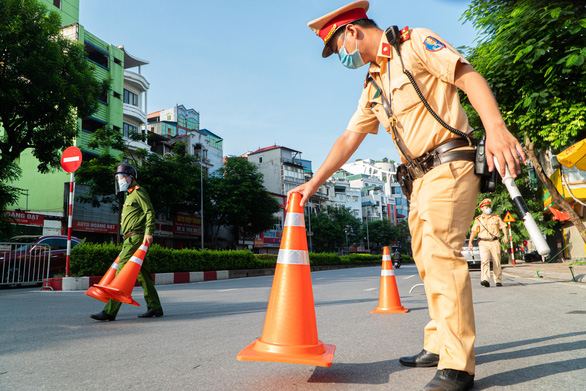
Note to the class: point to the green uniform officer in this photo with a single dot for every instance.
(138, 225)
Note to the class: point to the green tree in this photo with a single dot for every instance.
(330, 228)
(380, 233)
(239, 199)
(45, 85)
(532, 53)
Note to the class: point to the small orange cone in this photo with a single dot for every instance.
(389, 301)
(99, 294)
(120, 288)
(290, 329)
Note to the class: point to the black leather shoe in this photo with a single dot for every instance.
(499, 284)
(152, 314)
(485, 283)
(103, 316)
(450, 380)
(423, 359)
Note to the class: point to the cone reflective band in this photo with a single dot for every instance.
(98, 293)
(290, 329)
(530, 225)
(389, 301)
(120, 289)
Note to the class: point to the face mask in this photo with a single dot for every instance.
(122, 183)
(487, 211)
(352, 60)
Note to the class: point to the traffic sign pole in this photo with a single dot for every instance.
(70, 162)
(510, 219)
(69, 221)
(511, 240)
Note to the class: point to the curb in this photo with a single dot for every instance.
(83, 283)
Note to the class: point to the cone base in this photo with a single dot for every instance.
(292, 355)
(97, 293)
(390, 310)
(117, 295)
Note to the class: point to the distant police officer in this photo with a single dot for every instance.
(138, 225)
(487, 227)
(440, 180)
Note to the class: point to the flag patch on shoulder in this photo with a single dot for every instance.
(433, 44)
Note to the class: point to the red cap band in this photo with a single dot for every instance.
(331, 26)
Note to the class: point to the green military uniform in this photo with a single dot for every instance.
(138, 215)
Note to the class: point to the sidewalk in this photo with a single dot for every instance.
(549, 271)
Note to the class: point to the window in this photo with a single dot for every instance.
(130, 97)
(57, 3)
(117, 61)
(355, 198)
(260, 159)
(97, 56)
(129, 129)
(116, 94)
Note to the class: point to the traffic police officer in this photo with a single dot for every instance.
(445, 188)
(487, 226)
(138, 225)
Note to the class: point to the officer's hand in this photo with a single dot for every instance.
(500, 143)
(148, 239)
(307, 190)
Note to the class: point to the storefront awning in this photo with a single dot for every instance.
(574, 156)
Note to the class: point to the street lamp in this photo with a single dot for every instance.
(202, 149)
(367, 237)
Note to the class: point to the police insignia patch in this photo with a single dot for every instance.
(433, 45)
(405, 34)
(386, 49)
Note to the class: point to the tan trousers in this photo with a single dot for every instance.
(442, 207)
(486, 250)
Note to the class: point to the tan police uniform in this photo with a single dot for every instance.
(487, 227)
(443, 200)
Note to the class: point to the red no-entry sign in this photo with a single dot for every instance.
(71, 159)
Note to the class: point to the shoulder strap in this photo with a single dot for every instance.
(393, 36)
(490, 233)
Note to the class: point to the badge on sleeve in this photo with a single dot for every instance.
(433, 45)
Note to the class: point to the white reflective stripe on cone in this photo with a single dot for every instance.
(293, 257)
(387, 273)
(144, 248)
(386, 257)
(136, 260)
(294, 220)
(114, 266)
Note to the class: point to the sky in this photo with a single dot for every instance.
(253, 69)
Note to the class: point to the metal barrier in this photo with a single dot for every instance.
(24, 263)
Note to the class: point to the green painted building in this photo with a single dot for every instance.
(46, 194)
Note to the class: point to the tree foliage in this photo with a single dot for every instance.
(532, 53)
(238, 198)
(330, 227)
(45, 84)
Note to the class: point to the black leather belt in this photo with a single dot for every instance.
(488, 240)
(132, 233)
(441, 154)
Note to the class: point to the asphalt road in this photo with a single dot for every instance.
(531, 335)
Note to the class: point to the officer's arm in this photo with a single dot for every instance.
(472, 236)
(149, 211)
(343, 148)
(500, 143)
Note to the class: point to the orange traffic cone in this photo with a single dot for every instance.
(99, 294)
(120, 288)
(389, 301)
(290, 329)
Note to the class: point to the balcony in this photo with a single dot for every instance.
(136, 80)
(135, 112)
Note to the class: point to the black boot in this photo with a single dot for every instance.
(152, 314)
(450, 380)
(423, 359)
(103, 316)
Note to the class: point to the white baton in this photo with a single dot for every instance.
(530, 225)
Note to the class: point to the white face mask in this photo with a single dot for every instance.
(122, 183)
(487, 211)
